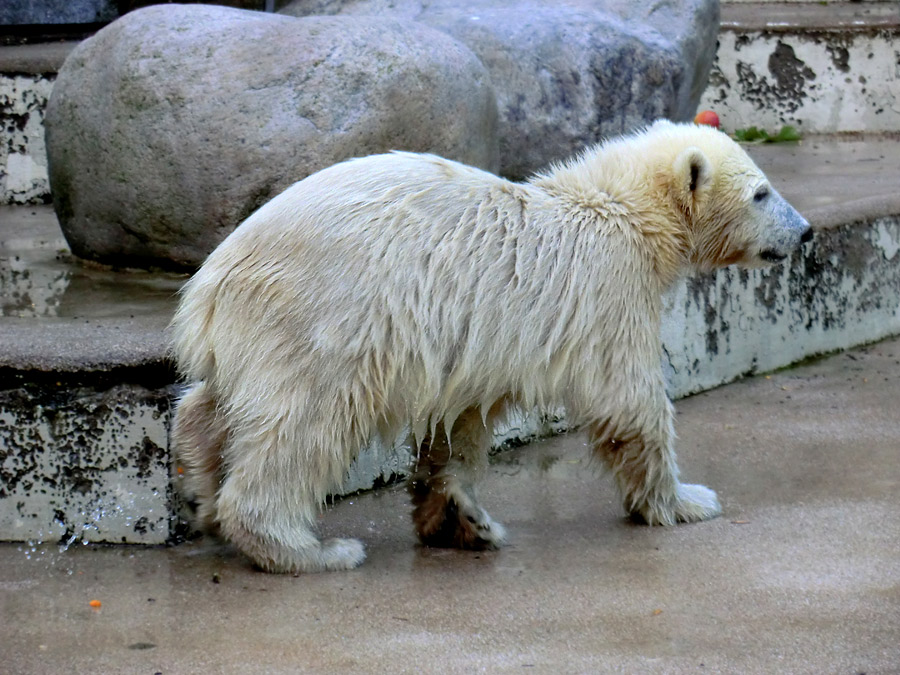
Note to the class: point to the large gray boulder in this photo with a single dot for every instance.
(568, 73)
(171, 125)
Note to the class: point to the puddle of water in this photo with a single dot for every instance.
(39, 277)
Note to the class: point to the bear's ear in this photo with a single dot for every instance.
(692, 173)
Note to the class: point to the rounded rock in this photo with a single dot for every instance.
(171, 125)
(568, 74)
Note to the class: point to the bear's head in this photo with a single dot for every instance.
(732, 213)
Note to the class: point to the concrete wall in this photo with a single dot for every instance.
(23, 157)
(86, 464)
(844, 291)
(817, 81)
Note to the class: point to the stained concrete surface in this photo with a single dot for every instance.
(823, 67)
(800, 575)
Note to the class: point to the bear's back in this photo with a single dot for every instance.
(370, 194)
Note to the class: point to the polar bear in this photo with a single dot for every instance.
(406, 291)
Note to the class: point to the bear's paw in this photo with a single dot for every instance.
(695, 502)
(342, 554)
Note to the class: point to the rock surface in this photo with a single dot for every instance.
(170, 126)
(14, 12)
(568, 74)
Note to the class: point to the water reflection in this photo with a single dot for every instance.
(39, 277)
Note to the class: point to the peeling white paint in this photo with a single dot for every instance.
(23, 154)
(887, 240)
(92, 468)
(816, 81)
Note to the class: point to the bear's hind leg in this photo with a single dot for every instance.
(198, 438)
(446, 513)
(643, 463)
(269, 500)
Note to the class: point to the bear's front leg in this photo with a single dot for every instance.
(638, 450)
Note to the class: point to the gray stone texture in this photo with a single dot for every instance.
(13, 12)
(568, 74)
(171, 125)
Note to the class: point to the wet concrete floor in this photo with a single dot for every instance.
(801, 574)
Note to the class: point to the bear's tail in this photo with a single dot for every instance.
(199, 435)
(192, 327)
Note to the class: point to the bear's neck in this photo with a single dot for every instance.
(629, 200)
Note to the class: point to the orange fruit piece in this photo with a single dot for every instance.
(707, 117)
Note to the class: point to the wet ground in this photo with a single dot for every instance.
(59, 313)
(801, 574)
(39, 278)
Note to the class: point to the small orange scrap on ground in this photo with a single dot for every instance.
(707, 117)
(96, 604)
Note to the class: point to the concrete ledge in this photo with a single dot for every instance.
(823, 69)
(59, 345)
(66, 317)
(88, 464)
(842, 291)
(843, 17)
(34, 59)
(836, 179)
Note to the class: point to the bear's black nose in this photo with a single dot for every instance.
(807, 236)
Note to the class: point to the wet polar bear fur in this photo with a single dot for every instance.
(408, 291)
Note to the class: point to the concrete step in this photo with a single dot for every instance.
(798, 576)
(822, 67)
(86, 389)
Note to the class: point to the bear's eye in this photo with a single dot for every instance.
(761, 194)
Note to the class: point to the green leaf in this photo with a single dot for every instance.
(787, 134)
(750, 135)
(756, 135)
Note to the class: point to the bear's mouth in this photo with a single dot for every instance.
(772, 256)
